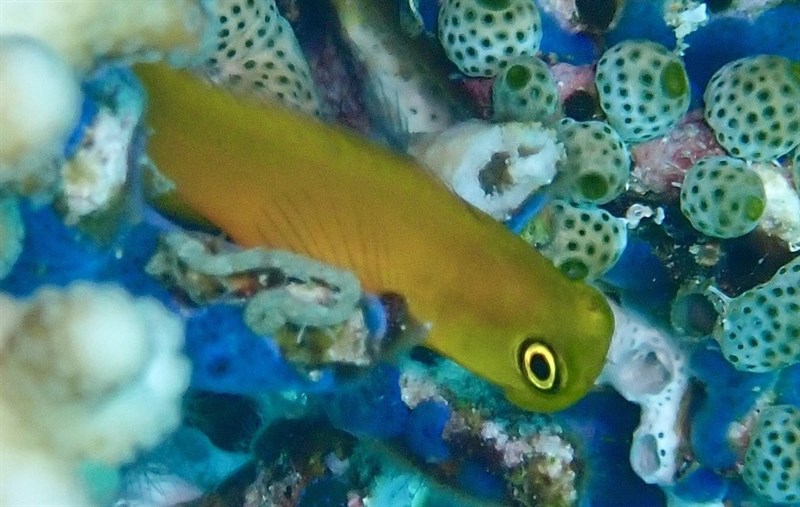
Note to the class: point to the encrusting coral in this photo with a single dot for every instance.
(34, 130)
(83, 31)
(89, 374)
(45, 48)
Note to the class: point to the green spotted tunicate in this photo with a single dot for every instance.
(257, 55)
(583, 242)
(760, 329)
(772, 462)
(597, 164)
(643, 89)
(525, 91)
(482, 36)
(722, 197)
(753, 106)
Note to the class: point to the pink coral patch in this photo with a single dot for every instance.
(571, 78)
(479, 90)
(660, 164)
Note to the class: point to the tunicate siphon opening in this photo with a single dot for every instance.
(517, 76)
(674, 81)
(593, 186)
(644, 456)
(574, 269)
(580, 106)
(644, 372)
(693, 315)
(753, 208)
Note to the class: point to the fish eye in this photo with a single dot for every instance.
(537, 362)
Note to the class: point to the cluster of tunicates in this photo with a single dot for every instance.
(525, 91)
(772, 462)
(482, 36)
(722, 197)
(759, 330)
(753, 106)
(258, 55)
(643, 89)
(582, 242)
(597, 165)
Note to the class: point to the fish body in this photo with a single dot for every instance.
(274, 178)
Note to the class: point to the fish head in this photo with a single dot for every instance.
(554, 364)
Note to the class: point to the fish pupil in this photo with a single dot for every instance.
(539, 367)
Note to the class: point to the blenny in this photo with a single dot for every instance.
(274, 178)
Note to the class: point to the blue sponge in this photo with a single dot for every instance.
(371, 405)
(424, 431)
(701, 485)
(787, 388)
(52, 254)
(729, 395)
(229, 358)
(478, 479)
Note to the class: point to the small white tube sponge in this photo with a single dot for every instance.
(40, 102)
(647, 367)
(86, 373)
(494, 167)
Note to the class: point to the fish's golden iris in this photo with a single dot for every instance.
(538, 365)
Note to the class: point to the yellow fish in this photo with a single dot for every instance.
(274, 178)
